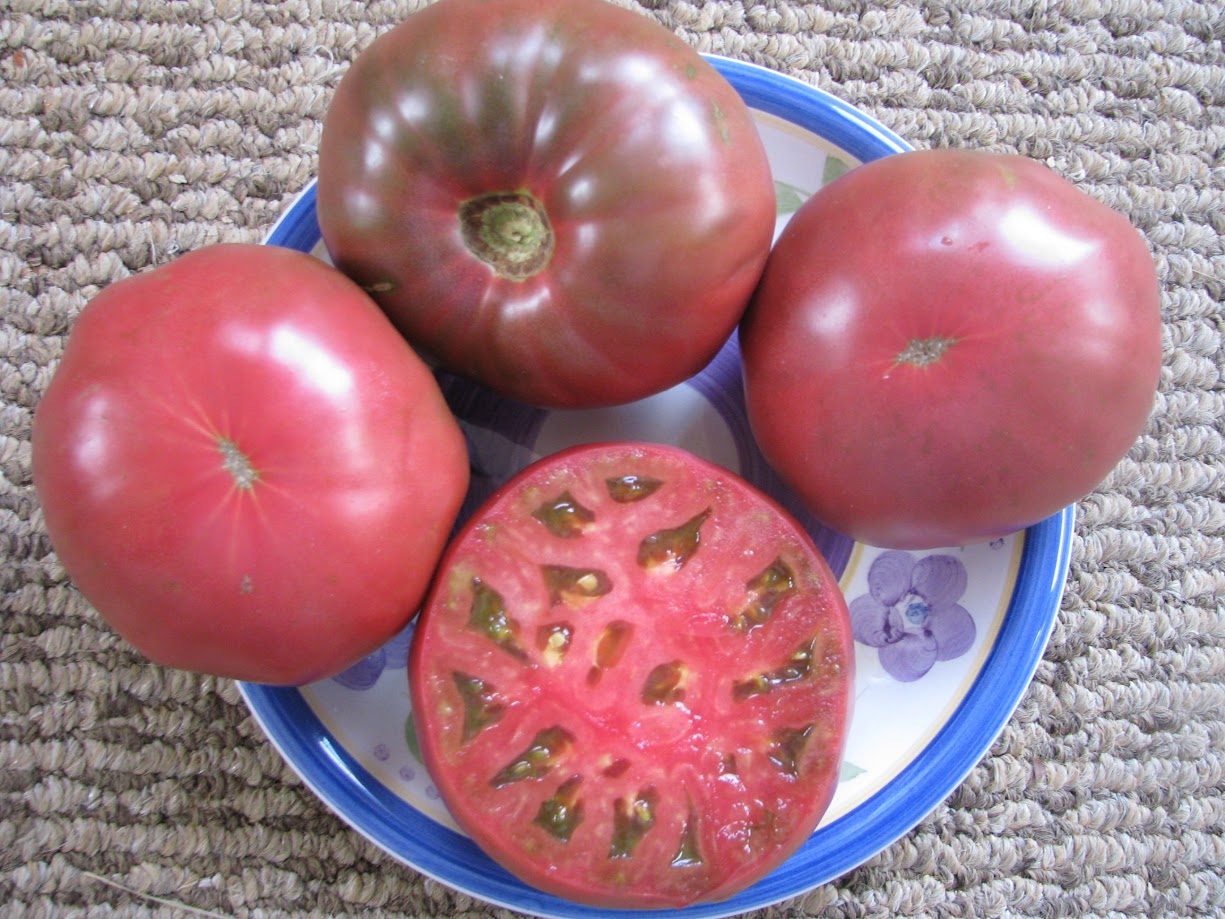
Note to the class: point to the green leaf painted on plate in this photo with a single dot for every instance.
(834, 167)
(788, 198)
(850, 771)
(410, 737)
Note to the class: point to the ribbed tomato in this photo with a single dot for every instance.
(243, 466)
(630, 681)
(558, 198)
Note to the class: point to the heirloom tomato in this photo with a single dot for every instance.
(557, 198)
(630, 681)
(948, 346)
(244, 467)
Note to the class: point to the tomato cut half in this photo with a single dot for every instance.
(631, 678)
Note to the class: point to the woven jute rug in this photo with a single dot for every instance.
(133, 130)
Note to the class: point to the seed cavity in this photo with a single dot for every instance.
(564, 516)
(787, 748)
(538, 759)
(482, 706)
(574, 586)
(632, 820)
(616, 768)
(728, 767)
(763, 830)
(609, 649)
(765, 592)
(488, 616)
(627, 489)
(672, 548)
(797, 668)
(689, 852)
(562, 812)
(665, 685)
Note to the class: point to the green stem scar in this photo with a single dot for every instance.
(509, 231)
(237, 464)
(923, 351)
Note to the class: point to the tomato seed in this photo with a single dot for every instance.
(554, 639)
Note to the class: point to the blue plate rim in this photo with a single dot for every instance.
(334, 775)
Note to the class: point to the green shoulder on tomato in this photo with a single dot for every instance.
(558, 198)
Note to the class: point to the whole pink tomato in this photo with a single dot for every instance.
(244, 467)
(950, 345)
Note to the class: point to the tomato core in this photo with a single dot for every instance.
(237, 464)
(923, 351)
(509, 231)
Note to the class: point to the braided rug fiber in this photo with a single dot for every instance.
(132, 130)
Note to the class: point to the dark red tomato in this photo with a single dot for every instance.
(558, 198)
(244, 467)
(948, 346)
(631, 679)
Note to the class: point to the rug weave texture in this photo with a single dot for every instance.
(134, 130)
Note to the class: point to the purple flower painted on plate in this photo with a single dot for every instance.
(366, 672)
(911, 613)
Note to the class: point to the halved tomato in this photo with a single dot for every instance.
(630, 681)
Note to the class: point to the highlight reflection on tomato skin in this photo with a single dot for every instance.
(243, 466)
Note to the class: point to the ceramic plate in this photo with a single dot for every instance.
(916, 732)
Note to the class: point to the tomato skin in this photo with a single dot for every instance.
(1043, 303)
(243, 466)
(667, 685)
(645, 160)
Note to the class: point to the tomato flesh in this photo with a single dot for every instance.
(630, 681)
